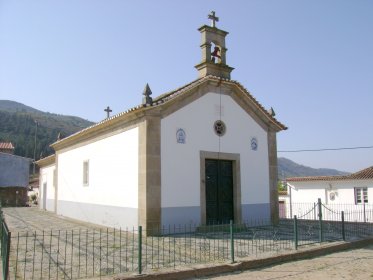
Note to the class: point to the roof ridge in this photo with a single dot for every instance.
(366, 173)
(172, 94)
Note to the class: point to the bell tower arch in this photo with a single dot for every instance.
(213, 51)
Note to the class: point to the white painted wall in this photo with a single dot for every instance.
(305, 192)
(47, 177)
(113, 173)
(181, 162)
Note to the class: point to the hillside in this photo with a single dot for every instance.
(288, 168)
(17, 124)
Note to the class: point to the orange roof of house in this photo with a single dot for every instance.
(364, 174)
(6, 146)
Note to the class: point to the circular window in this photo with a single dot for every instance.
(219, 127)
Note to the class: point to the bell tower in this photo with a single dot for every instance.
(213, 51)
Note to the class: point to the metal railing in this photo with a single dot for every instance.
(353, 212)
(86, 253)
(5, 237)
(74, 254)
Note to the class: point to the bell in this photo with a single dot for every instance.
(215, 52)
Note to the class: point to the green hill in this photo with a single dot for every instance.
(288, 168)
(18, 125)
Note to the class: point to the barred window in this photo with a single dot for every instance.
(361, 195)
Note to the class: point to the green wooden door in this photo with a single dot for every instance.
(219, 191)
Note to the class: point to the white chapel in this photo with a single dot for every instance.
(204, 153)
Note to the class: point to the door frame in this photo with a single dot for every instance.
(236, 169)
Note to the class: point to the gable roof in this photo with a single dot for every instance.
(364, 174)
(164, 99)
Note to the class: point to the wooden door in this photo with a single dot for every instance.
(219, 191)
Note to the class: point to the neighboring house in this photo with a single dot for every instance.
(6, 147)
(283, 202)
(201, 154)
(47, 183)
(352, 192)
(14, 179)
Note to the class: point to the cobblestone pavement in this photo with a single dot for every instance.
(31, 219)
(354, 264)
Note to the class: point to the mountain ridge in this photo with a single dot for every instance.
(288, 168)
(21, 124)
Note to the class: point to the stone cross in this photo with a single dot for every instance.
(213, 18)
(108, 111)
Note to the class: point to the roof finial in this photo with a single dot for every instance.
(213, 18)
(108, 111)
(147, 100)
(272, 112)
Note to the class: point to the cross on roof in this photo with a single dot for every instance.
(108, 111)
(213, 18)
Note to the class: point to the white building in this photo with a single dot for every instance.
(350, 193)
(203, 153)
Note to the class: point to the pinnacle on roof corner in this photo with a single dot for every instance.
(147, 100)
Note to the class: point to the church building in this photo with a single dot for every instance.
(204, 153)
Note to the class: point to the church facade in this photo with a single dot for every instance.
(204, 153)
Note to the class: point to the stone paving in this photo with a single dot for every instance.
(47, 246)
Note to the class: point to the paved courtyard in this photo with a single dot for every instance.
(353, 264)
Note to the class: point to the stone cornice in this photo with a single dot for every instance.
(49, 160)
(172, 101)
(108, 125)
(213, 29)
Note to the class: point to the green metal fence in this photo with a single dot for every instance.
(5, 237)
(86, 253)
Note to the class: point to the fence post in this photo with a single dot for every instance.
(343, 226)
(140, 249)
(6, 268)
(232, 240)
(314, 211)
(5, 249)
(320, 221)
(295, 232)
(365, 220)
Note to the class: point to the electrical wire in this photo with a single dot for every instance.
(326, 149)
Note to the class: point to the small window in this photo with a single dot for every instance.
(85, 173)
(361, 195)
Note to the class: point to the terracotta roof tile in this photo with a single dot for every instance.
(6, 145)
(364, 174)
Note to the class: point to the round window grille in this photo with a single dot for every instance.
(219, 127)
(332, 196)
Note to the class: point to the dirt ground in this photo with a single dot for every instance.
(354, 264)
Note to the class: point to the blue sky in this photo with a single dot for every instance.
(312, 61)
